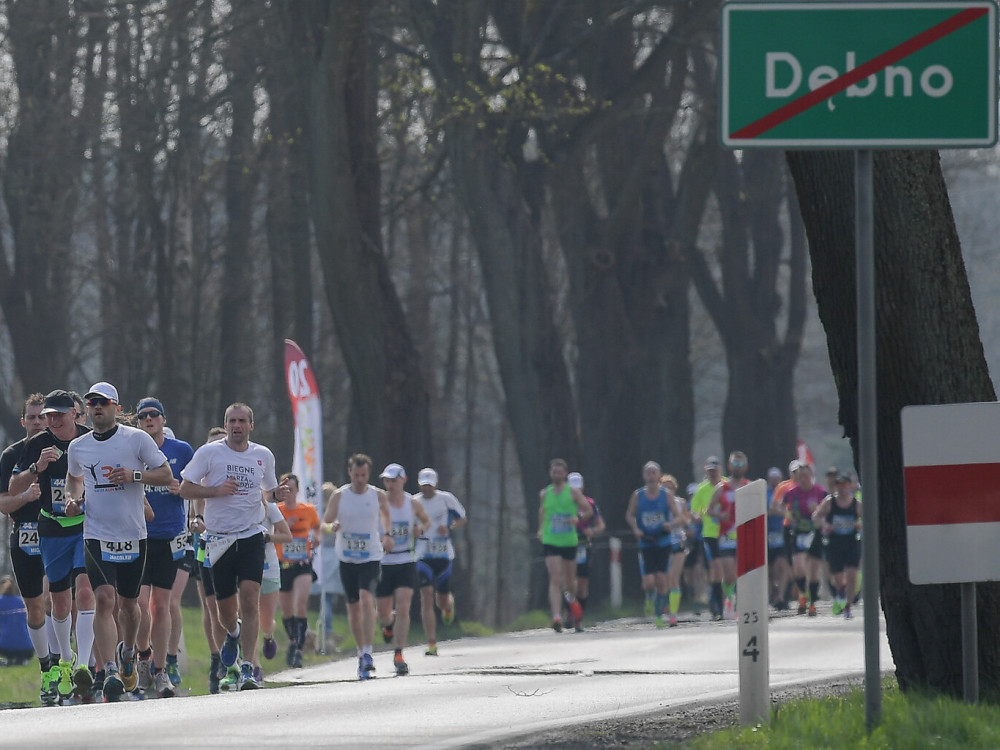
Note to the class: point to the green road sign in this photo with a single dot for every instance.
(859, 75)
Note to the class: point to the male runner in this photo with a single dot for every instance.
(359, 514)
(560, 508)
(60, 538)
(839, 518)
(806, 546)
(586, 530)
(700, 501)
(113, 464)
(25, 554)
(297, 573)
(399, 567)
(723, 509)
(164, 578)
(232, 475)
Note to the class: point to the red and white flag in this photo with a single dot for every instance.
(307, 461)
(951, 468)
(803, 454)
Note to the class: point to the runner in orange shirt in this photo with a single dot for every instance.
(296, 568)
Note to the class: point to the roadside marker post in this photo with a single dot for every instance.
(615, 560)
(752, 603)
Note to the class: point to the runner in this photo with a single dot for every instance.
(777, 552)
(232, 476)
(25, 554)
(399, 567)
(805, 544)
(355, 513)
(839, 517)
(586, 530)
(113, 463)
(723, 509)
(165, 575)
(436, 554)
(60, 540)
(270, 585)
(710, 531)
(677, 545)
(655, 522)
(694, 579)
(297, 573)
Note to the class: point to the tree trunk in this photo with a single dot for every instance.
(929, 352)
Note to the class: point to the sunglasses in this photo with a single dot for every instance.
(151, 414)
(99, 401)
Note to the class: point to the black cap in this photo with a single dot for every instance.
(60, 401)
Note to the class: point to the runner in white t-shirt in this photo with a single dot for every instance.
(359, 513)
(112, 464)
(232, 475)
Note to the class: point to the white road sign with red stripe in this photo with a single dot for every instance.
(951, 460)
(751, 602)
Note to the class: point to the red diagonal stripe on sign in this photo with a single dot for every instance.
(860, 73)
(952, 494)
(751, 545)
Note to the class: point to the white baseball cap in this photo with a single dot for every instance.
(103, 390)
(428, 476)
(393, 471)
(575, 479)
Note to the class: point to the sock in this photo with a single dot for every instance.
(40, 640)
(814, 591)
(171, 658)
(649, 595)
(730, 590)
(62, 628)
(99, 676)
(236, 633)
(289, 623)
(568, 597)
(583, 601)
(301, 625)
(147, 654)
(361, 652)
(659, 604)
(84, 636)
(216, 660)
(675, 601)
(128, 652)
(842, 592)
(367, 650)
(50, 630)
(398, 651)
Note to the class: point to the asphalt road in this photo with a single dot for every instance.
(478, 690)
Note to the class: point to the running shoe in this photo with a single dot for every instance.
(578, 627)
(113, 688)
(387, 632)
(247, 680)
(673, 621)
(258, 675)
(270, 649)
(448, 614)
(557, 625)
(716, 616)
(65, 683)
(162, 684)
(648, 607)
(658, 620)
(290, 656)
(297, 659)
(432, 650)
(231, 648)
(213, 675)
(231, 679)
(575, 609)
(838, 606)
(400, 665)
(363, 672)
(173, 672)
(848, 615)
(812, 610)
(128, 674)
(48, 693)
(368, 661)
(83, 681)
(802, 605)
(144, 666)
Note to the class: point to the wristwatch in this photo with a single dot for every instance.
(137, 476)
(33, 469)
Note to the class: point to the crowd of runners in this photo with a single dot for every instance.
(109, 523)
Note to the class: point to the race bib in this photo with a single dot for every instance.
(581, 555)
(27, 537)
(356, 546)
(400, 533)
(216, 546)
(843, 525)
(57, 490)
(727, 542)
(804, 541)
(296, 550)
(178, 545)
(120, 552)
(775, 539)
(562, 523)
(437, 546)
(652, 522)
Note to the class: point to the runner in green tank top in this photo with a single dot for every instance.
(559, 508)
